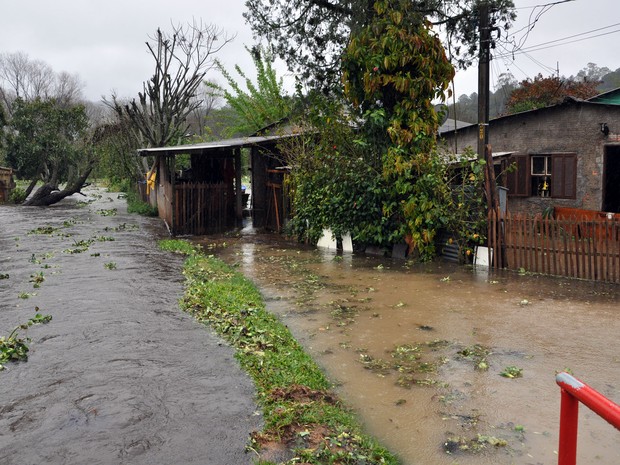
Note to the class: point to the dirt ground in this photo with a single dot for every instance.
(119, 375)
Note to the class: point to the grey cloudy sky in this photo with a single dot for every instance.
(568, 35)
(103, 41)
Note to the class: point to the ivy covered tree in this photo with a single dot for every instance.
(311, 35)
(334, 181)
(542, 92)
(374, 171)
(394, 69)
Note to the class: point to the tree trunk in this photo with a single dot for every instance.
(31, 186)
(48, 193)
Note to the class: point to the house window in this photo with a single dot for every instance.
(543, 175)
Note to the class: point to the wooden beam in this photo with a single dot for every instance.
(238, 191)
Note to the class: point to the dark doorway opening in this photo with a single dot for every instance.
(611, 180)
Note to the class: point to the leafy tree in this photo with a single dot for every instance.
(333, 181)
(542, 92)
(610, 81)
(115, 148)
(218, 123)
(198, 119)
(261, 103)
(466, 107)
(383, 182)
(311, 35)
(47, 142)
(182, 59)
(591, 72)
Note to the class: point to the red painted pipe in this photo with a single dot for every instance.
(573, 392)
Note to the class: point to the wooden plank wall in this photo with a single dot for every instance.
(583, 248)
(202, 208)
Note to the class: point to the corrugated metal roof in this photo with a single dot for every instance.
(567, 101)
(611, 97)
(450, 125)
(204, 147)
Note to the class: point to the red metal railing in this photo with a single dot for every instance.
(573, 392)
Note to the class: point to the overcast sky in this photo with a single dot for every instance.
(104, 41)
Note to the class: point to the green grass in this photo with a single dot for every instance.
(136, 205)
(298, 406)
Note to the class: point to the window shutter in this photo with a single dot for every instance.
(564, 175)
(517, 179)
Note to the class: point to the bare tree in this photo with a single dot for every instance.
(14, 68)
(39, 81)
(182, 59)
(21, 77)
(67, 88)
(26, 78)
(209, 100)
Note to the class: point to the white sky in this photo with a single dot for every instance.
(103, 41)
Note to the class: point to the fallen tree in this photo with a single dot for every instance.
(48, 141)
(50, 193)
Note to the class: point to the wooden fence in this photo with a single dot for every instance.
(583, 248)
(201, 208)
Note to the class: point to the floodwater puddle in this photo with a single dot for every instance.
(445, 364)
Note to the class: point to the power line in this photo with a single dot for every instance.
(549, 69)
(557, 42)
(578, 35)
(542, 5)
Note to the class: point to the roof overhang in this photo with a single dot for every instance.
(210, 147)
(453, 159)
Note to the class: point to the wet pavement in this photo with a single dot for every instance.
(119, 375)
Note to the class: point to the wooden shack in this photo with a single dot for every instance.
(197, 188)
(6, 184)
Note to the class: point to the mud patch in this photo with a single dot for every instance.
(421, 352)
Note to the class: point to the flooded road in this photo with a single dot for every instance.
(119, 375)
(445, 365)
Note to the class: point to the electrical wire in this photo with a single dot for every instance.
(558, 43)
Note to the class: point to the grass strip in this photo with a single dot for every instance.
(300, 412)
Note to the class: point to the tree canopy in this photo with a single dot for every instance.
(374, 172)
(311, 35)
(46, 141)
(542, 92)
(261, 103)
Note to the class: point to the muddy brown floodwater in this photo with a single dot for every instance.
(418, 351)
(119, 375)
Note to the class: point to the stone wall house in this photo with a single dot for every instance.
(566, 155)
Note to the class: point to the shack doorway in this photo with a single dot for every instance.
(611, 179)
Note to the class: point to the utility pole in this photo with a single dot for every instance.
(483, 78)
(495, 236)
